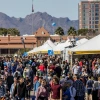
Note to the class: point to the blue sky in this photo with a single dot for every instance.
(57, 8)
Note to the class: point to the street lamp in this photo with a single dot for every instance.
(22, 39)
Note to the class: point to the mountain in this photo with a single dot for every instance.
(24, 25)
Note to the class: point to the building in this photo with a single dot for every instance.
(89, 14)
(12, 44)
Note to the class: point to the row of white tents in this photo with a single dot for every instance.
(49, 45)
(92, 46)
(83, 47)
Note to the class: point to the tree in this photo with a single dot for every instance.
(84, 32)
(11, 31)
(72, 31)
(59, 31)
(3, 31)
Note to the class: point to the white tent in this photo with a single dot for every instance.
(33, 50)
(61, 46)
(81, 41)
(49, 42)
(48, 45)
(44, 48)
(89, 47)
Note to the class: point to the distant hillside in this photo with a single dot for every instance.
(24, 25)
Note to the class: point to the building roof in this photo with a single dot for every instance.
(41, 32)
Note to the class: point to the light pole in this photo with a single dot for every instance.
(23, 42)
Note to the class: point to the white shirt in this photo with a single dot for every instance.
(76, 69)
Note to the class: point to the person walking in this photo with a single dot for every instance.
(2, 90)
(89, 87)
(56, 90)
(13, 88)
(80, 88)
(28, 87)
(42, 92)
(20, 89)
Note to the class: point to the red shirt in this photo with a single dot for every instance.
(52, 67)
(80, 63)
(42, 67)
(55, 91)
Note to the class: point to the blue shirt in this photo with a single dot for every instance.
(67, 93)
(36, 85)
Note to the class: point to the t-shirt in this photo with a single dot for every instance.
(42, 67)
(52, 67)
(89, 84)
(55, 91)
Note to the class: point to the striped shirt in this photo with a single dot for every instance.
(80, 88)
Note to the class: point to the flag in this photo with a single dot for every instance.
(32, 8)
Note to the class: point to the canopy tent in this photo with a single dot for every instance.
(48, 45)
(44, 48)
(34, 50)
(61, 46)
(31, 51)
(81, 41)
(49, 42)
(89, 47)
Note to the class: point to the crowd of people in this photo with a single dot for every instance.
(49, 78)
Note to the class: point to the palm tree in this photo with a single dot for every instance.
(72, 31)
(60, 32)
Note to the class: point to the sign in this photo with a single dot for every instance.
(50, 52)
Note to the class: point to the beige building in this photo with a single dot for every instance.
(89, 14)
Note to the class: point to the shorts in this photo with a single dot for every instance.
(89, 91)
